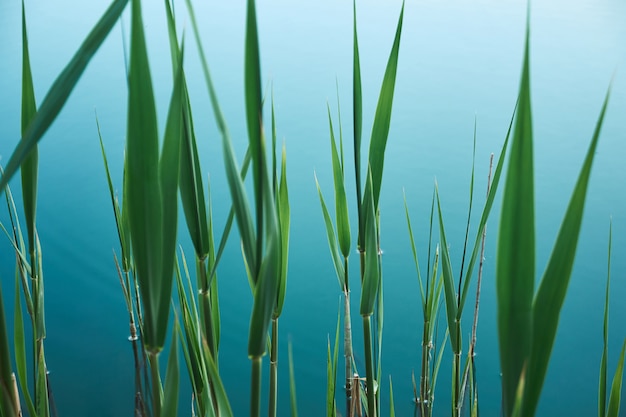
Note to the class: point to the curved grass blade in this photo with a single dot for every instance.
(284, 218)
(19, 344)
(371, 278)
(357, 108)
(332, 241)
(485, 213)
(414, 251)
(7, 405)
(605, 335)
(172, 379)
(292, 384)
(341, 202)
(29, 166)
(616, 386)
(382, 118)
(515, 267)
(448, 283)
(254, 113)
(553, 287)
(61, 89)
(392, 408)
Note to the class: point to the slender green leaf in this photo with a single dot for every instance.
(254, 113)
(357, 108)
(485, 213)
(371, 277)
(143, 187)
(616, 387)
(392, 409)
(284, 217)
(6, 387)
(341, 201)
(61, 89)
(292, 384)
(553, 287)
(29, 167)
(172, 379)
(605, 335)
(19, 344)
(267, 286)
(221, 399)
(515, 266)
(448, 284)
(332, 240)
(414, 251)
(382, 118)
(41, 386)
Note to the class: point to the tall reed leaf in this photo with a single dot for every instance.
(61, 89)
(255, 116)
(553, 287)
(616, 387)
(7, 405)
(357, 108)
(372, 273)
(332, 241)
(448, 283)
(516, 249)
(605, 334)
(30, 165)
(172, 379)
(382, 119)
(152, 186)
(341, 202)
(284, 218)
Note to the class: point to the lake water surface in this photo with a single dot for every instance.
(459, 61)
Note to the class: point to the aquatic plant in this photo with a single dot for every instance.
(157, 171)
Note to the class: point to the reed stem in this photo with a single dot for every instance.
(255, 391)
(369, 367)
(153, 357)
(273, 369)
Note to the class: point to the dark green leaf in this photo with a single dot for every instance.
(553, 287)
(515, 268)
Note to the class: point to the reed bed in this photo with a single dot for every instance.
(159, 287)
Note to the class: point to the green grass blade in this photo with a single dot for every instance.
(41, 387)
(485, 213)
(515, 266)
(332, 241)
(292, 384)
(221, 399)
(448, 284)
(254, 113)
(19, 344)
(371, 277)
(616, 386)
(341, 201)
(284, 218)
(6, 386)
(144, 191)
(382, 119)
(240, 205)
(61, 89)
(392, 408)
(114, 203)
(551, 293)
(267, 285)
(172, 379)
(191, 187)
(414, 251)
(357, 108)
(29, 167)
(605, 335)
(169, 167)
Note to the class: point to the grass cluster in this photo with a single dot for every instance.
(157, 282)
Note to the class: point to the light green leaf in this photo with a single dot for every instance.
(341, 202)
(61, 89)
(382, 118)
(332, 241)
(616, 387)
(172, 379)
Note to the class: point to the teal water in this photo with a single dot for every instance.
(458, 61)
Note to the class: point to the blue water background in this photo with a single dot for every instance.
(459, 61)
